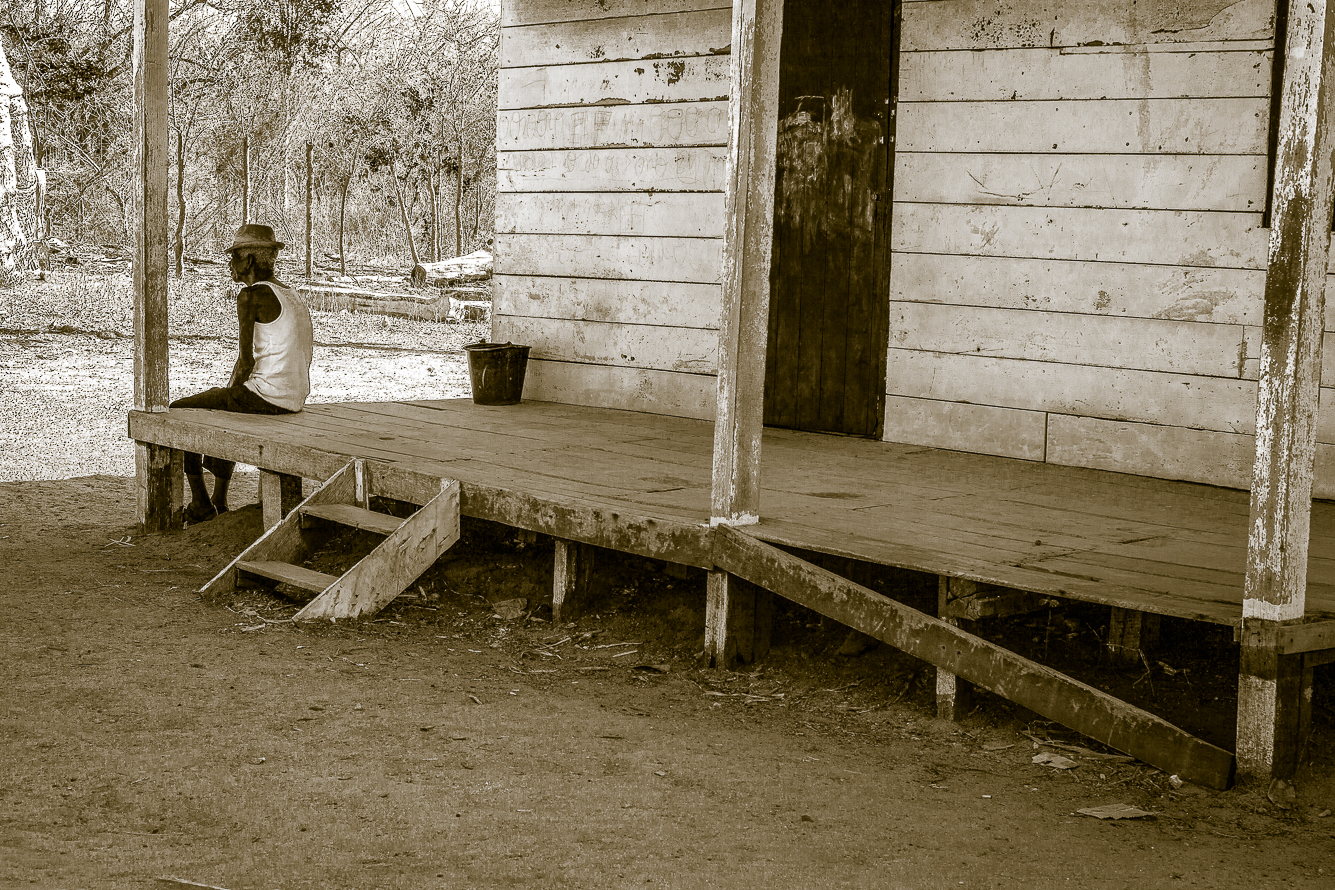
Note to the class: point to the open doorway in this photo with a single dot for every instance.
(829, 293)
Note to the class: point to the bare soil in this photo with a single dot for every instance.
(149, 735)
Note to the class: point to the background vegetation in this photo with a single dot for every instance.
(396, 100)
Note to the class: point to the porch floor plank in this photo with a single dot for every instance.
(1172, 548)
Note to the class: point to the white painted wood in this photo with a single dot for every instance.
(757, 29)
(676, 123)
(632, 389)
(1029, 74)
(613, 169)
(1212, 403)
(1269, 739)
(531, 12)
(659, 214)
(1290, 355)
(1227, 296)
(1165, 452)
(1108, 126)
(668, 304)
(1159, 182)
(1148, 344)
(986, 24)
(687, 350)
(700, 78)
(696, 260)
(980, 429)
(1171, 238)
(670, 34)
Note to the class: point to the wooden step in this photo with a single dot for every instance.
(286, 573)
(355, 517)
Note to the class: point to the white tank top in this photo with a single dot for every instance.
(282, 350)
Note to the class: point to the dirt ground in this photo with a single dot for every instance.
(149, 735)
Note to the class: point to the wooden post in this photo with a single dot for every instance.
(1132, 635)
(280, 493)
(757, 30)
(953, 695)
(157, 469)
(571, 577)
(742, 609)
(310, 263)
(1286, 404)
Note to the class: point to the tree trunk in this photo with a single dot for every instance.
(433, 227)
(403, 214)
(18, 181)
(458, 200)
(178, 243)
(342, 213)
(245, 180)
(310, 263)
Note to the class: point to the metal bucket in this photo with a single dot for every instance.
(497, 371)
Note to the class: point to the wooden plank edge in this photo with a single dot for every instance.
(1308, 636)
(1041, 689)
(676, 541)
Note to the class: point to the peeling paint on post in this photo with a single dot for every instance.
(757, 29)
(1286, 404)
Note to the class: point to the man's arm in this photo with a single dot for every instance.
(245, 319)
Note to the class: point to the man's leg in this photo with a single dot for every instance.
(239, 400)
(222, 478)
(201, 507)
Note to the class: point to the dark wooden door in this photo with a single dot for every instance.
(829, 279)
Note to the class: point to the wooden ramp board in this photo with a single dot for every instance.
(288, 542)
(286, 573)
(354, 517)
(408, 551)
(1029, 684)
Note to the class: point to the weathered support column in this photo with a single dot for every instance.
(280, 493)
(953, 695)
(1286, 405)
(157, 469)
(1132, 635)
(757, 28)
(572, 574)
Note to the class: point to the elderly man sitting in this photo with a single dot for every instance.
(272, 371)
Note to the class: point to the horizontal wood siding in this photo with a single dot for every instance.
(1077, 252)
(611, 156)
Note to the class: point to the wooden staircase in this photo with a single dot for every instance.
(409, 548)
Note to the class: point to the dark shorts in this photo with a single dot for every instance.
(236, 399)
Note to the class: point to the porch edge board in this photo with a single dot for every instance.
(679, 542)
(1041, 689)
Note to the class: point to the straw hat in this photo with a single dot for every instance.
(253, 235)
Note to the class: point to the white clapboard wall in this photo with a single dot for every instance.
(1077, 257)
(612, 154)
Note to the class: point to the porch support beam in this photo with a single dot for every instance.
(280, 494)
(572, 577)
(1027, 683)
(757, 30)
(1286, 405)
(157, 493)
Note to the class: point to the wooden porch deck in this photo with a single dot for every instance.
(640, 483)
